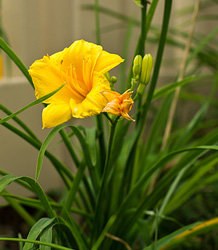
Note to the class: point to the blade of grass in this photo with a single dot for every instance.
(19, 122)
(181, 75)
(145, 107)
(31, 104)
(59, 166)
(190, 232)
(169, 237)
(173, 86)
(77, 233)
(36, 230)
(19, 209)
(15, 59)
(75, 186)
(8, 179)
(37, 204)
(103, 234)
(54, 246)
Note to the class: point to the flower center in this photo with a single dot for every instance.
(78, 88)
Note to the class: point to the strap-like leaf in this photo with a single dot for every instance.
(15, 59)
(169, 237)
(172, 86)
(83, 144)
(8, 179)
(36, 230)
(54, 246)
(32, 104)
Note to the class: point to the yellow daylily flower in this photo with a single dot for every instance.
(81, 67)
(118, 104)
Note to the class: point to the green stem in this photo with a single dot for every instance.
(101, 140)
(139, 129)
(16, 60)
(98, 225)
(148, 24)
(137, 50)
(19, 209)
(146, 105)
(68, 144)
(125, 53)
(97, 25)
(19, 122)
(59, 166)
(143, 28)
(126, 181)
(22, 183)
(75, 185)
(51, 245)
(69, 147)
(142, 45)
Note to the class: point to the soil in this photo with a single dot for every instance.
(11, 225)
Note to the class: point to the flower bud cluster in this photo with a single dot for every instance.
(142, 68)
(147, 64)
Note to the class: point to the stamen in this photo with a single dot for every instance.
(74, 83)
(87, 72)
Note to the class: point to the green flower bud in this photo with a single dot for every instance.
(113, 79)
(138, 2)
(147, 64)
(107, 75)
(137, 65)
(141, 89)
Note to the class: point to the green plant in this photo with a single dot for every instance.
(141, 174)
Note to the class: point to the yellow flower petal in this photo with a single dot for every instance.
(110, 95)
(46, 78)
(118, 104)
(83, 56)
(55, 114)
(94, 101)
(107, 61)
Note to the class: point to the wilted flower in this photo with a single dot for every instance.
(81, 67)
(118, 104)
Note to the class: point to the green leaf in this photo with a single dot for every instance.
(137, 187)
(43, 148)
(103, 234)
(197, 229)
(150, 14)
(15, 59)
(31, 104)
(172, 86)
(46, 236)
(37, 242)
(91, 142)
(30, 221)
(59, 166)
(77, 233)
(36, 230)
(75, 185)
(8, 179)
(19, 122)
(201, 45)
(162, 242)
(190, 127)
(193, 184)
(111, 13)
(83, 144)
